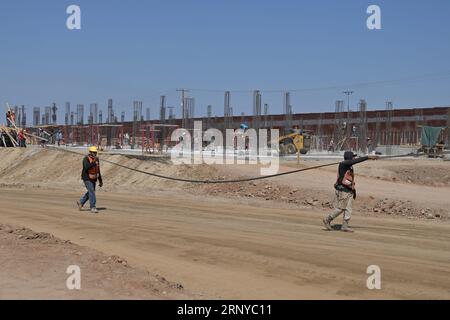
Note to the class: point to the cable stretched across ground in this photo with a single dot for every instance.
(221, 181)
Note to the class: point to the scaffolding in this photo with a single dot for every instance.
(111, 136)
(339, 132)
(154, 140)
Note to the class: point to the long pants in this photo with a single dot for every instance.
(344, 204)
(89, 195)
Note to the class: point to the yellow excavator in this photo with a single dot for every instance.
(295, 141)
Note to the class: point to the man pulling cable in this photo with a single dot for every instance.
(345, 190)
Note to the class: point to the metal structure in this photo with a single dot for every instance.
(184, 113)
(80, 114)
(257, 101)
(362, 132)
(153, 139)
(110, 113)
(162, 108)
(340, 126)
(36, 116)
(47, 116)
(227, 114)
(266, 115)
(389, 132)
(93, 112)
(189, 110)
(67, 114)
(348, 93)
(54, 112)
(287, 109)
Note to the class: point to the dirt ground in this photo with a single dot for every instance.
(34, 265)
(259, 240)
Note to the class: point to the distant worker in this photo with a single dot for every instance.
(45, 137)
(59, 137)
(370, 148)
(331, 146)
(21, 138)
(13, 117)
(8, 118)
(345, 190)
(90, 175)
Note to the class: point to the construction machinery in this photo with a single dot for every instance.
(294, 142)
(432, 141)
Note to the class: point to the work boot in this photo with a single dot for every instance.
(346, 228)
(94, 210)
(79, 205)
(327, 223)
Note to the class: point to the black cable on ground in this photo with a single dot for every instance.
(221, 181)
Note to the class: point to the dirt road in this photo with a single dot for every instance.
(225, 249)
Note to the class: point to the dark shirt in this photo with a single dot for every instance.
(344, 166)
(86, 166)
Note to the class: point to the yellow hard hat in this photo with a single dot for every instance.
(93, 149)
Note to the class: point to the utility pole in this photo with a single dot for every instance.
(183, 109)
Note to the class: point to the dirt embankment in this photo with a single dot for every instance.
(419, 171)
(37, 167)
(102, 276)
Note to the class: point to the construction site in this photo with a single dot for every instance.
(388, 129)
(204, 151)
(255, 239)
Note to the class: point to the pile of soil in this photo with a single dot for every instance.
(320, 201)
(102, 276)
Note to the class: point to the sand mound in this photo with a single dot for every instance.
(47, 168)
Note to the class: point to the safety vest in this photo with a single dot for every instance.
(93, 172)
(348, 180)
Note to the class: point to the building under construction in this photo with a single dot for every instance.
(383, 127)
(343, 129)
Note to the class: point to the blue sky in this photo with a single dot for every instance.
(138, 50)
